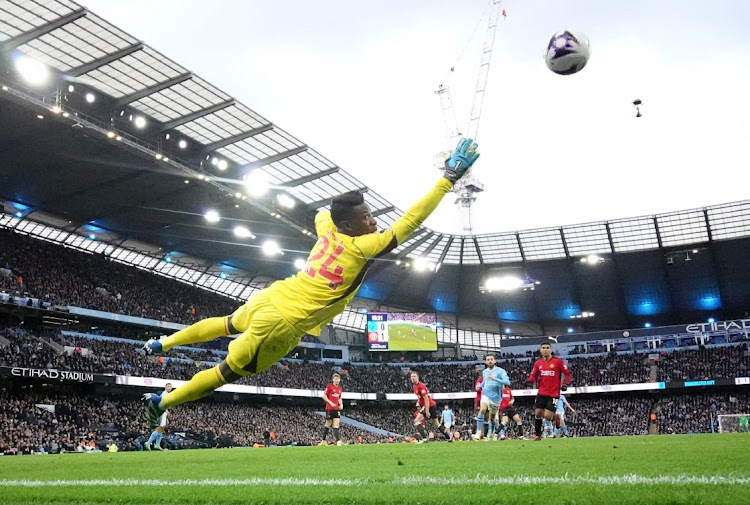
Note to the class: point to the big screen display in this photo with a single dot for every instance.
(402, 331)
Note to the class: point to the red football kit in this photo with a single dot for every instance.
(548, 373)
(421, 390)
(478, 389)
(333, 393)
(507, 397)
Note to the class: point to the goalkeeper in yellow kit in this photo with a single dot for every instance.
(273, 320)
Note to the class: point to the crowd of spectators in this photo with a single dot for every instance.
(594, 416)
(705, 363)
(37, 423)
(27, 349)
(65, 276)
(245, 425)
(693, 413)
(34, 422)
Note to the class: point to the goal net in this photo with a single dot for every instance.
(734, 423)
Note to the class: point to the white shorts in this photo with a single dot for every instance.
(492, 407)
(163, 420)
(447, 425)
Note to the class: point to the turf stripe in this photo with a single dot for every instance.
(615, 480)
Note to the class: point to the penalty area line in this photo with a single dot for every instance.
(522, 480)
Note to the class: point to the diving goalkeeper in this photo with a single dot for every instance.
(272, 321)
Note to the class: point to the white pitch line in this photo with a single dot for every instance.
(614, 480)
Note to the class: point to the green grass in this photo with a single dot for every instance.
(380, 470)
(425, 340)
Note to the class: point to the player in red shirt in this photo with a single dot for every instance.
(554, 376)
(334, 405)
(478, 400)
(507, 412)
(427, 411)
(478, 389)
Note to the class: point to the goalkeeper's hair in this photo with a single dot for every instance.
(342, 206)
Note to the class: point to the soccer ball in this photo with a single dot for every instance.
(567, 52)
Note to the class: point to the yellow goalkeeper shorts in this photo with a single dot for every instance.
(265, 337)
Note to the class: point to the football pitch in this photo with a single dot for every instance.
(690, 469)
(424, 340)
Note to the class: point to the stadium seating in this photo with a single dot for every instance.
(26, 423)
(123, 358)
(65, 276)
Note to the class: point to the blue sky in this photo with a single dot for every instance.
(355, 80)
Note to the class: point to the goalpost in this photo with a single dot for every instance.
(733, 423)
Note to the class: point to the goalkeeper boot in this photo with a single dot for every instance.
(153, 346)
(153, 412)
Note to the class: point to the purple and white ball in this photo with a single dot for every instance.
(567, 52)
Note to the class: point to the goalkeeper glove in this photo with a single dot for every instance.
(564, 387)
(461, 160)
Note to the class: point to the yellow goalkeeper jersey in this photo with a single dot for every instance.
(337, 265)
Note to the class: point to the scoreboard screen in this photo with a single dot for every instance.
(402, 331)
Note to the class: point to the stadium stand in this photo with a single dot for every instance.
(66, 276)
(27, 349)
(28, 425)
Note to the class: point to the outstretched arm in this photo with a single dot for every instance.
(378, 244)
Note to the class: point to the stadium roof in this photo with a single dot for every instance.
(89, 167)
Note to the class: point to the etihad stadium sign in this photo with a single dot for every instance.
(737, 324)
(55, 374)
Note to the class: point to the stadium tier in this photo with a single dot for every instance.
(179, 272)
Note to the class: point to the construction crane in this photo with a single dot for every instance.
(468, 186)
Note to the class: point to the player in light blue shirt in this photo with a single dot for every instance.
(161, 427)
(447, 419)
(560, 411)
(494, 378)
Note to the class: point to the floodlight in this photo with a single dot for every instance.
(271, 248)
(90, 97)
(139, 122)
(212, 216)
(242, 232)
(256, 183)
(299, 263)
(222, 164)
(285, 201)
(506, 283)
(182, 144)
(32, 71)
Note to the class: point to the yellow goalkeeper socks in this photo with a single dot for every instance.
(202, 331)
(202, 384)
